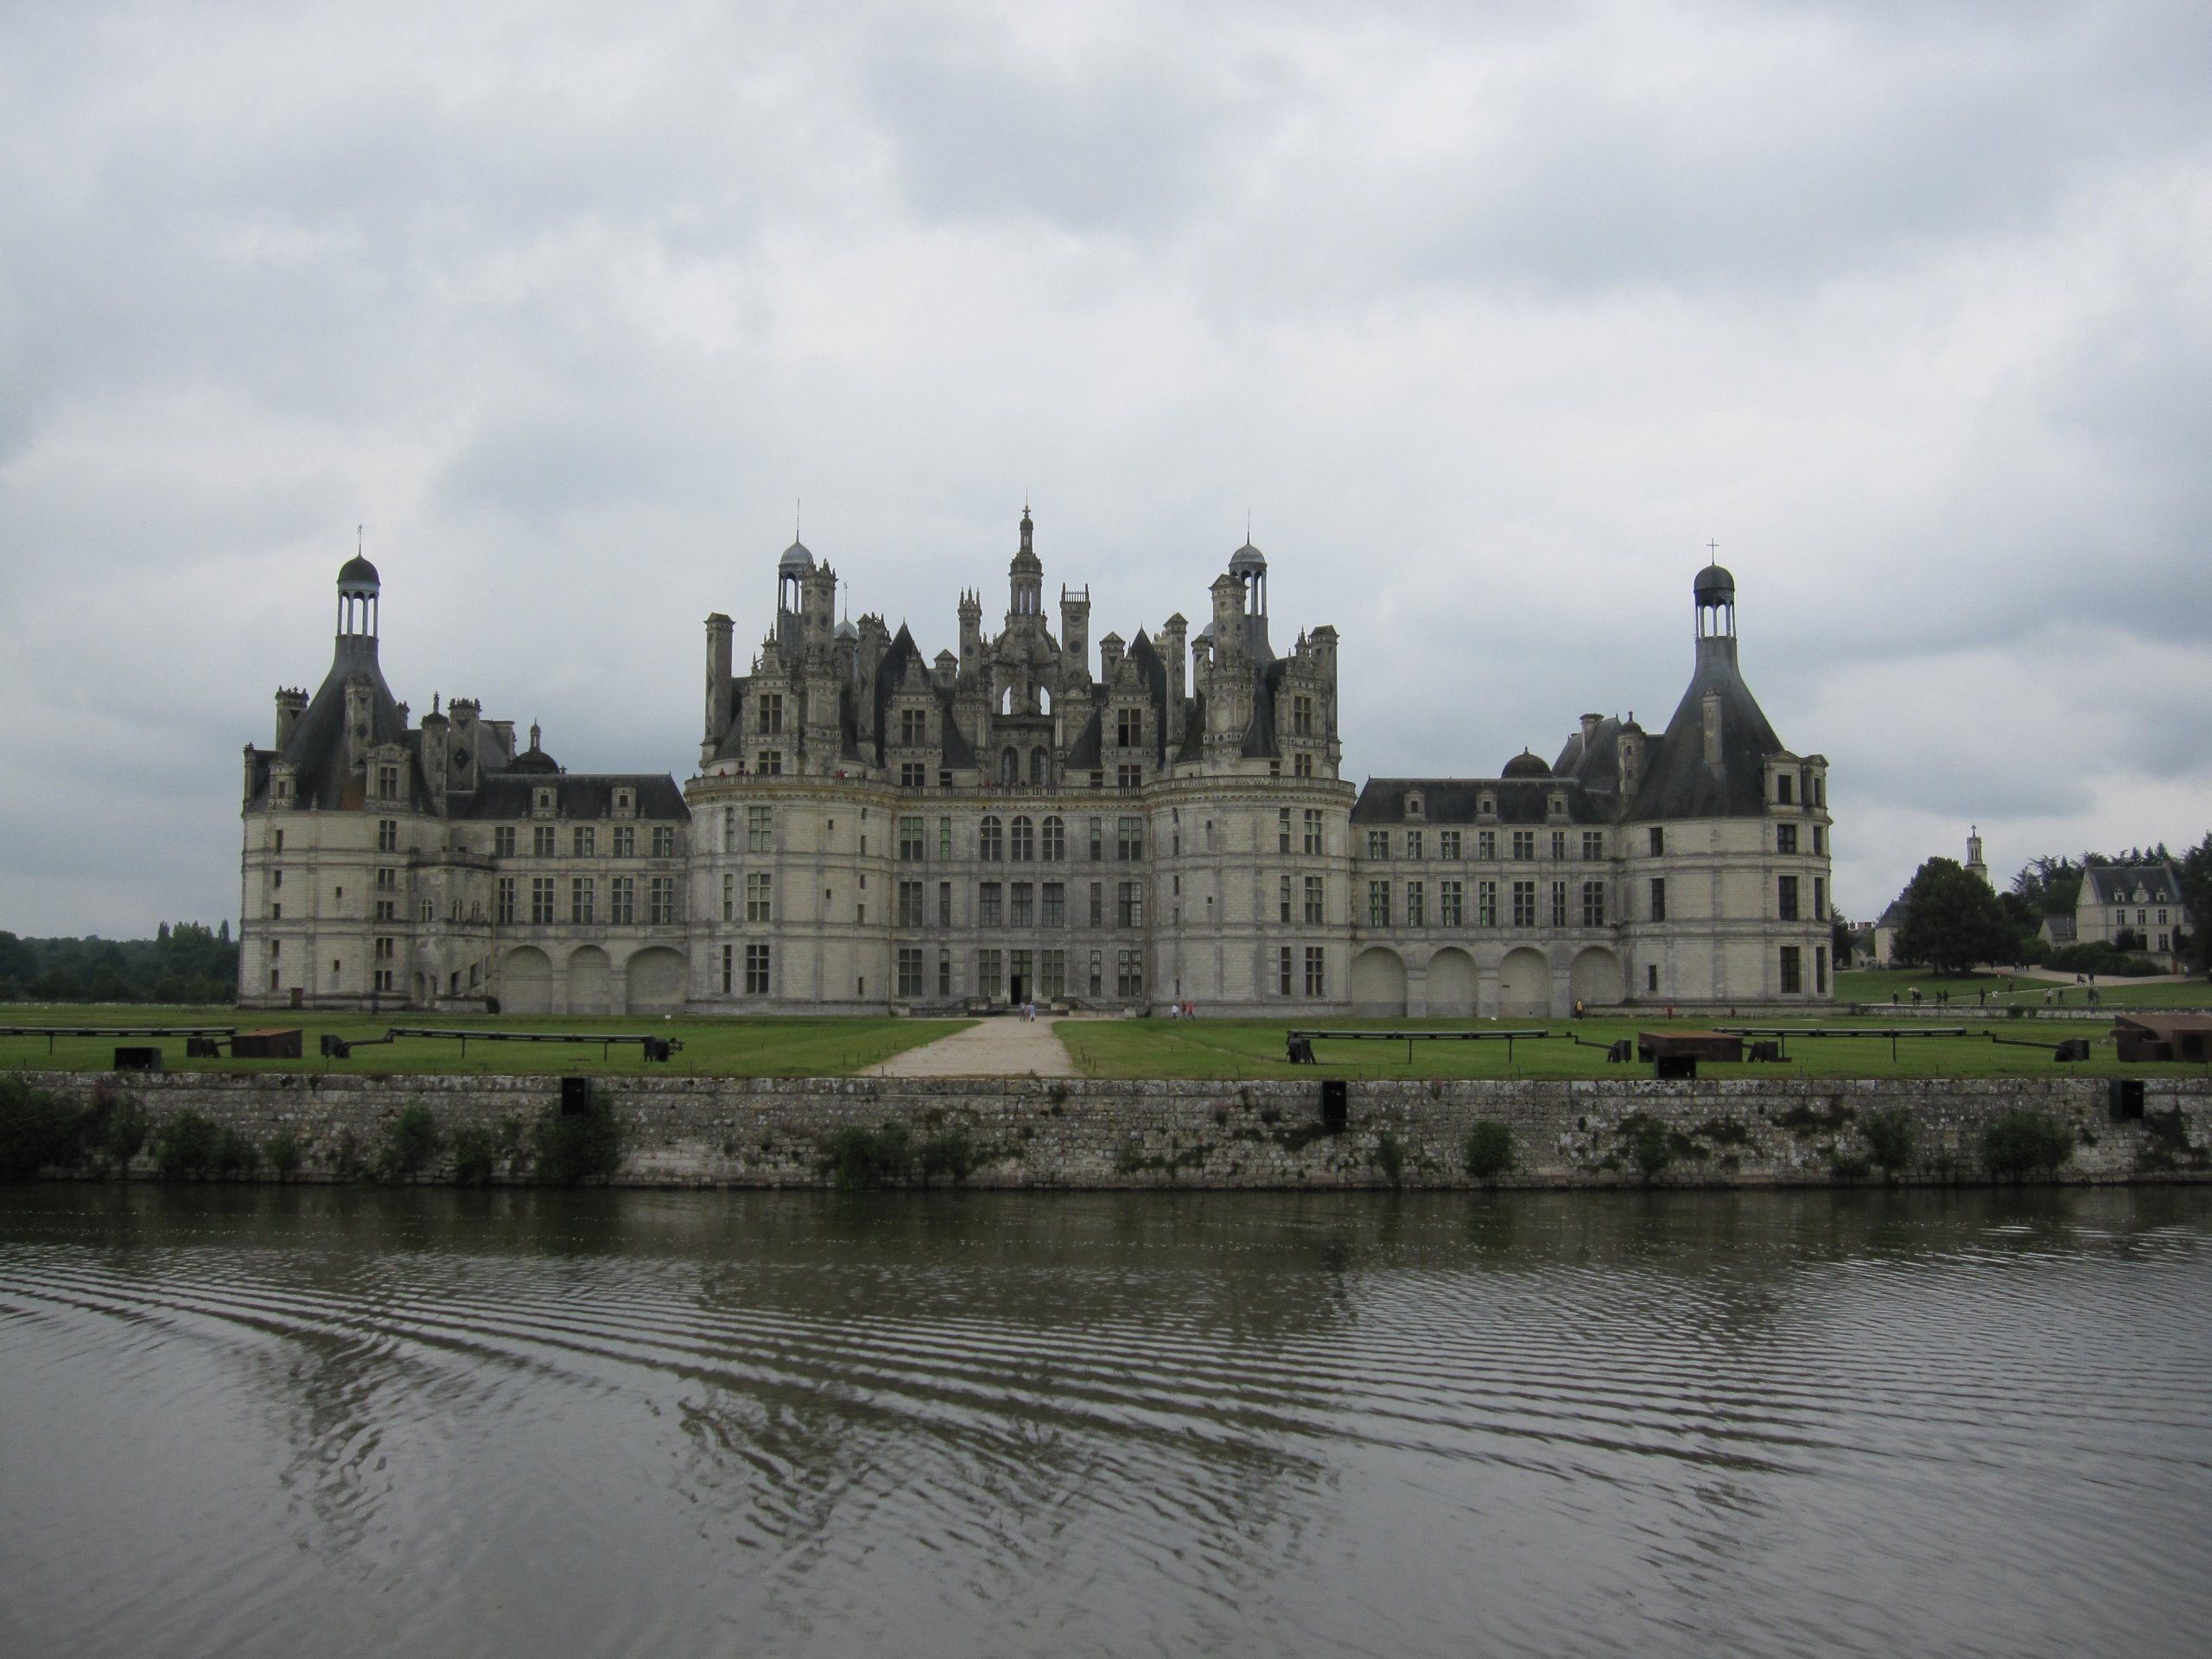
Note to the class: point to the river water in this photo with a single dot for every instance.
(289, 1422)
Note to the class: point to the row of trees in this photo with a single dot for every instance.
(1953, 920)
(186, 963)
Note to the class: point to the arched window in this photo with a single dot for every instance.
(1024, 839)
(1005, 700)
(1056, 839)
(1040, 766)
(990, 841)
(1009, 767)
(1044, 698)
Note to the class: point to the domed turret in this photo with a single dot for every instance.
(534, 759)
(1525, 765)
(796, 561)
(358, 575)
(1249, 566)
(1714, 586)
(358, 586)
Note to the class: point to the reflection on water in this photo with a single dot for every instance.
(259, 1419)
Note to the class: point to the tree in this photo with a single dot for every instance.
(2051, 885)
(1952, 920)
(2195, 869)
(1839, 942)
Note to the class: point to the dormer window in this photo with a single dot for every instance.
(1556, 807)
(625, 801)
(1781, 791)
(545, 800)
(1486, 807)
(1413, 806)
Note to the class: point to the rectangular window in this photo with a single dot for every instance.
(1416, 905)
(1593, 845)
(1301, 716)
(1524, 904)
(1283, 894)
(945, 973)
(729, 896)
(583, 841)
(1782, 790)
(1786, 897)
(663, 841)
(1413, 844)
(1056, 904)
(760, 829)
(1485, 904)
(945, 838)
(1451, 904)
(503, 842)
(1378, 844)
(1129, 729)
(1524, 845)
(1129, 839)
(729, 955)
(1313, 832)
(502, 901)
(1098, 904)
(757, 906)
(990, 974)
(542, 840)
(1316, 979)
(388, 783)
(771, 711)
(1486, 844)
(1785, 838)
(1129, 973)
(1283, 971)
(1023, 911)
(1820, 969)
(1282, 829)
(944, 903)
(756, 970)
(910, 904)
(1658, 842)
(1559, 903)
(913, 727)
(626, 840)
(1658, 898)
(622, 899)
(913, 775)
(387, 835)
(909, 971)
(541, 899)
(1313, 898)
(1593, 903)
(662, 897)
(1128, 776)
(1378, 904)
(911, 839)
(1128, 904)
(1052, 974)
(1447, 843)
(1820, 899)
(729, 833)
(1054, 849)
(579, 904)
(989, 903)
(1559, 845)
(1793, 973)
(1820, 839)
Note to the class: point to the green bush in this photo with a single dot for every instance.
(1850, 1166)
(951, 1153)
(1892, 1137)
(574, 1148)
(1489, 1150)
(186, 1144)
(347, 1161)
(856, 1158)
(475, 1154)
(2019, 1144)
(113, 1129)
(1649, 1144)
(283, 1155)
(236, 1154)
(413, 1143)
(1390, 1157)
(38, 1130)
(2099, 957)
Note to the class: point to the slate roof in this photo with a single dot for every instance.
(1453, 800)
(2116, 884)
(1677, 783)
(580, 795)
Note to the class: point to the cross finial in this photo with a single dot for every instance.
(1713, 547)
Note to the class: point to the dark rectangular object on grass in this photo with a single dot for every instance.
(2163, 1037)
(2074, 1048)
(270, 1045)
(1688, 1045)
(1681, 1068)
(138, 1059)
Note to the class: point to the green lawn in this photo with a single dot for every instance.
(741, 1048)
(1878, 985)
(1254, 1048)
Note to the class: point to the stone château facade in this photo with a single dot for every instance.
(870, 829)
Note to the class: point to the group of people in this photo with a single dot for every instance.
(1182, 1010)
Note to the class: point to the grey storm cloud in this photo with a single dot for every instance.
(1491, 315)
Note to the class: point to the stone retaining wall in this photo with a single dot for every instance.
(1028, 1133)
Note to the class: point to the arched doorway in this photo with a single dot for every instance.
(654, 979)
(526, 982)
(1378, 984)
(591, 981)
(1524, 985)
(1595, 978)
(1451, 984)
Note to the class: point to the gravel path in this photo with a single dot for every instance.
(1002, 1046)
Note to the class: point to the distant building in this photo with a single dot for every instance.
(2139, 903)
(872, 829)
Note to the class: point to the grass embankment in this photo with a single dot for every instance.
(1255, 1048)
(1878, 985)
(740, 1047)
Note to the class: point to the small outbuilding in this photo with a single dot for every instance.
(1688, 1045)
(2162, 1036)
(271, 1045)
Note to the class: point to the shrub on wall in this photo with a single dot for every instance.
(1489, 1150)
(2019, 1144)
(574, 1148)
(413, 1143)
(38, 1130)
(186, 1144)
(855, 1158)
(283, 1155)
(475, 1153)
(1892, 1137)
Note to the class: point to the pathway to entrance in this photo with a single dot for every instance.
(1006, 1046)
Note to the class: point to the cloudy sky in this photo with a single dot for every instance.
(1490, 315)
